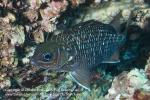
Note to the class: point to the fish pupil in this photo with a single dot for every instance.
(47, 56)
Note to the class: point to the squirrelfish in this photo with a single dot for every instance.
(79, 49)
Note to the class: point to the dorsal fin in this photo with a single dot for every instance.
(115, 23)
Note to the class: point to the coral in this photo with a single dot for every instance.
(29, 53)
(48, 17)
(126, 85)
(9, 18)
(19, 38)
(5, 3)
(31, 14)
(112, 11)
(75, 3)
(51, 13)
(141, 16)
(53, 9)
(38, 36)
(147, 68)
(45, 85)
(138, 1)
(9, 38)
(35, 4)
(48, 26)
(4, 81)
(141, 95)
(107, 13)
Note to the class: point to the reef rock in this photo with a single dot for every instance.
(127, 84)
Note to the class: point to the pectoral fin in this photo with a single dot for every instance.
(81, 76)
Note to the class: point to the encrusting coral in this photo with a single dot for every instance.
(48, 13)
(10, 37)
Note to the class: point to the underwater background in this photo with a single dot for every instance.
(26, 23)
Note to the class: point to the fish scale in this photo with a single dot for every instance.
(95, 35)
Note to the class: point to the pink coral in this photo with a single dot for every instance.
(53, 10)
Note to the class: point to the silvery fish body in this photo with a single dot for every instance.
(79, 49)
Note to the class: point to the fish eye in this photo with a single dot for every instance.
(47, 56)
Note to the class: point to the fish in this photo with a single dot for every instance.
(79, 49)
